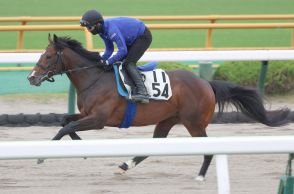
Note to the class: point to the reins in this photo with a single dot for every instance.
(49, 75)
(93, 83)
(59, 61)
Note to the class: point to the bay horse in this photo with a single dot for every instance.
(192, 103)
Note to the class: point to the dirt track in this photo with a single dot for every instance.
(258, 174)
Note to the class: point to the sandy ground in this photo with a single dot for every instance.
(258, 174)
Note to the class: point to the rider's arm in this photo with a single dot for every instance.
(119, 40)
(108, 48)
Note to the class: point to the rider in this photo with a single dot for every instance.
(132, 38)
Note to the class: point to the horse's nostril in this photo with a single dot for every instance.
(30, 78)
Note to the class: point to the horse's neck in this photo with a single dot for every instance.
(82, 78)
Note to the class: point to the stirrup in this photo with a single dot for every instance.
(141, 98)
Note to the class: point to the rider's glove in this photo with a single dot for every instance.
(105, 65)
(103, 62)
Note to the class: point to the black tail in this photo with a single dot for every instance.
(249, 102)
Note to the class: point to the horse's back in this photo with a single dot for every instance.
(187, 79)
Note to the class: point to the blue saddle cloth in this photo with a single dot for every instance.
(131, 108)
(130, 114)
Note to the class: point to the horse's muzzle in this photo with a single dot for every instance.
(35, 81)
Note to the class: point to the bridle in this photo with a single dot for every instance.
(48, 75)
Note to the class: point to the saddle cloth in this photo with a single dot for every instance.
(156, 81)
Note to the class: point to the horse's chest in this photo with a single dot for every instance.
(84, 105)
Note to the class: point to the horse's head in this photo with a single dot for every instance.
(48, 65)
(63, 55)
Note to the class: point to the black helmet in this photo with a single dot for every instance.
(90, 18)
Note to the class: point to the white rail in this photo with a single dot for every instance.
(220, 146)
(142, 147)
(240, 55)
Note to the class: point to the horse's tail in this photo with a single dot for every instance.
(248, 101)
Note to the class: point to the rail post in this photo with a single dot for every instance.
(21, 37)
(89, 40)
(205, 70)
(287, 181)
(208, 43)
(292, 39)
(222, 171)
(262, 77)
(71, 99)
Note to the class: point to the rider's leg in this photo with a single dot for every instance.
(141, 93)
(136, 51)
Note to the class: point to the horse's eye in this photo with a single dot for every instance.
(48, 57)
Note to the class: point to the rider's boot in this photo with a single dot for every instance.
(140, 94)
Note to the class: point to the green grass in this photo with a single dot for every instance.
(161, 38)
(143, 7)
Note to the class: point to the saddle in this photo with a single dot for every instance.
(156, 81)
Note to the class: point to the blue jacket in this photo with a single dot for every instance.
(123, 32)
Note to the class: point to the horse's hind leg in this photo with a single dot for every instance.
(207, 158)
(204, 167)
(161, 131)
(199, 131)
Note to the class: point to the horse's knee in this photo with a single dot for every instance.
(66, 119)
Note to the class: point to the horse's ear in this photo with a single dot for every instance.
(49, 38)
(55, 38)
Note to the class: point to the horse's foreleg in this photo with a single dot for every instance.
(161, 131)
(86, 123)
(66, 119)
(74, 136)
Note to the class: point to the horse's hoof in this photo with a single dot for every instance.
(40, 161)
(200, 178)
(122, 168)
(119, 171)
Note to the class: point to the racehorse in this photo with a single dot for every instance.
(192, 103)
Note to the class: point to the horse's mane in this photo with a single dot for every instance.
(76, 46)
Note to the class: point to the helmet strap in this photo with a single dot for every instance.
(98, 29)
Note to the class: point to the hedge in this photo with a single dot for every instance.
(171, 66)
(279, 78)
